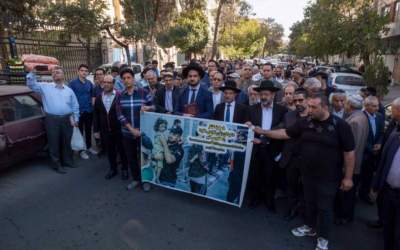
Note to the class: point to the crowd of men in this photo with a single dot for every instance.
(319, 145)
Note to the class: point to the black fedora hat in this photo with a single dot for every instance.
(229, 84)
(193, 66)
(267, 85)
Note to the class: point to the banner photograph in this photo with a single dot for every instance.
(204, 157)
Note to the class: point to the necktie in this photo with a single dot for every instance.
(228, 112)
(192, 98)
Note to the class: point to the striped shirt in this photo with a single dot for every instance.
(128, 108)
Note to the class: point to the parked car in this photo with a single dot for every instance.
(349, 82)
(22, 130)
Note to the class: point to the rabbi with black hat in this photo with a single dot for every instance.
(229, 110)
(195, 100)
(266, 114)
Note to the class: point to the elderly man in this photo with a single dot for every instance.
(312, 86)
(254, 96)
(107, 126)
(298, 76)
(345, 201)
(62, 114)
(278, 74)
(387, 184)
(337, 100)
(374, 144)
(151, 78)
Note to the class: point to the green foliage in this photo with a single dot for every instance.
(242, 39)
(189, 33)
(84, 18)
(273, 33)
(333, 27)
(18, 15)
(377, 75)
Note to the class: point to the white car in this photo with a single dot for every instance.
(349, 82)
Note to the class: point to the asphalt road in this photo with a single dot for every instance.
(41, 210)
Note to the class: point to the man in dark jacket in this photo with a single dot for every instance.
(107, 126)
(167, 97)
(262, 176)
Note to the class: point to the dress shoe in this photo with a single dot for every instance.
(60, 170)
(124, 175)
(375, 224)
(111, 174)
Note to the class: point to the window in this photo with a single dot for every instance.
(349, 80)
(19, 107)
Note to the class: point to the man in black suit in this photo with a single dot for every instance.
(374, 144)
(195, 100)
(107, 126)
(263, 170)
(387, 185)
(167, 97)
(231, 111)
(237, 113)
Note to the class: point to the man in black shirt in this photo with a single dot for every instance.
(327, 144)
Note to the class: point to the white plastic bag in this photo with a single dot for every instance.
(77, 142)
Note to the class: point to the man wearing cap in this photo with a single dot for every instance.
(298, 76)
(345, 201)
(195, 99)
(167, 96)
(266, 114)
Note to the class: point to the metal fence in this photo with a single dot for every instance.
(69, 54)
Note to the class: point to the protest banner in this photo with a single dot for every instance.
(203, 157)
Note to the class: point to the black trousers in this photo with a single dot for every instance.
(319, 196)
(85, 126)
(131, 147)
(368, 169)
(262, 177)
(391, 218)
(294, 185)
(113, 145)
(59, 134)
(345, 202)
(198, 188)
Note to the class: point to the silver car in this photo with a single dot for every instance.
(349, 82)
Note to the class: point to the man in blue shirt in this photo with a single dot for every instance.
(85, 93)
(62, 113)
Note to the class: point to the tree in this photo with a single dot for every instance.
(217, 20)
(83, 18)
(189, 33)
(350, 27)
(299, 43)
(273, 34)
(377, 75)
(242, 39)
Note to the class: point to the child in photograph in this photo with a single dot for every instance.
(160, 126)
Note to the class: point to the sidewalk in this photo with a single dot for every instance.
(394, 92)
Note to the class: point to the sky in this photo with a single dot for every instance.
(285, 12)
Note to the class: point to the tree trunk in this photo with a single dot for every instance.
(128, 55)
(4, 52)
(89, 54)
(215, 39)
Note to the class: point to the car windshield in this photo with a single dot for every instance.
(349, 80)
